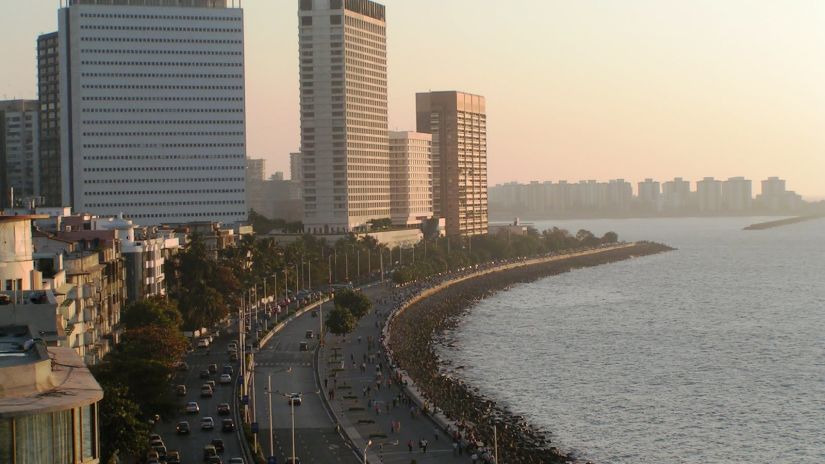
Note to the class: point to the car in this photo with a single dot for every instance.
(223, 409)
(228, 425)
(192, 407)
(211, 384)
(153, 437)
(218, 444)
(173, 457)
(232, 348)
(214, 460)
(207, 423)
(203, 343)
(209, 451)
(294, 399)
(205, 374)
(308, 334)
(206, 391)
(303, 346)
(180, 390)
(233, 357)
(155, 443)
(236, 461)
(226, 378)
(152, 455)
(227, 369)
(182, 428)
(213, 368)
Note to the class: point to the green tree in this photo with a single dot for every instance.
(163, 344)
(152, 311)
(340, 321)
(121, 427)
(354, 301)
(610, 237)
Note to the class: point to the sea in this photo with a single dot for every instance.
(713, 353)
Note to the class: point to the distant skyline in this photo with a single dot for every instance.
(575, 90)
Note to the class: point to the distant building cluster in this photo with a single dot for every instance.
(616, 197)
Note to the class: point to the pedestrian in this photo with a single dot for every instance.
(326, 380)
(424, 445)
(410, 445)
(455, 448)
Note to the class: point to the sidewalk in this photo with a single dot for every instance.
(347, 368)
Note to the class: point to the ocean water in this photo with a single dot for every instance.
(714, 353)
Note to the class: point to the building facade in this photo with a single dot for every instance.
(48, 402)
(152, 110)
(344, 141)
(411, 177)
(457, 122)
(48, 96)
(737, 194)
(19, 152)
(649, 195)
(295, 167)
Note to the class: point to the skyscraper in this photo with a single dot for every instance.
(344, 142)
(411, 177)
(737, 194)
(48, 96)
(152, 109)
(458, 124)
(295, 167)
(709, 195)
(19, 164)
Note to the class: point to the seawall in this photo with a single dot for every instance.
(783, 222)
(410, 334)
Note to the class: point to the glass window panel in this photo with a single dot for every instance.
(87, 430)
(5, 441)
(63, 452)
(33, 439)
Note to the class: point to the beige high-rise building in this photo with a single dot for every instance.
(411, 177)
(344, 142)
(458, 124)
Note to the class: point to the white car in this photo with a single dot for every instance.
(207, 423)
(226, 378)
(192, 407)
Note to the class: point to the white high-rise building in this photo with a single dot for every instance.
(709, 195)
(411, 177)
(344, 141)
(737, 194)
(152, 109)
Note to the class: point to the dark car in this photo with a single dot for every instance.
(223, 409)
(227, 369)
(213, 369)
(228, 425)
(218, 444)
(173, 457)
(182, 428)
(205, 374)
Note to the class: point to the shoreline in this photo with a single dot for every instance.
(783, 222)
(411, 333)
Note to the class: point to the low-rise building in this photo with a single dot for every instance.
(48, 402)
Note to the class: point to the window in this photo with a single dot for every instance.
(87, 430)
(335, 4)
(335, 19)
(306, 5)
(306, 20)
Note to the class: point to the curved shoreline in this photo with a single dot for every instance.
(410, 336)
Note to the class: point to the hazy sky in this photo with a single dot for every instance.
(584, 89)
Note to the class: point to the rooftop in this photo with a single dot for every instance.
(156, 3)
(35, 379)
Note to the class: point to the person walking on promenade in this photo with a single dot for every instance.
(424, 444)
(410, 445)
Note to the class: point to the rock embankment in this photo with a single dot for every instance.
(783, 222)
(416, 327)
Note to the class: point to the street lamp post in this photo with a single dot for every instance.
(369, 443)
(271, 427)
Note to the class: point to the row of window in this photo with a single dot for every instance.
(161, 134)
(161, 157)
(163, 121)
(159, 52)
(166, 168)
(162, 145)
(113, 98)
(158, 40)
(165, 75)
(161, 87)
(236, 214)
(155, 16)
(162, 110)
(159, 63)
(164, 181)
(106, 27)
(164, 203)
(163, 192)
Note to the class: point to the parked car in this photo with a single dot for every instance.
(207, 423)
(226, 378)
(192, 407)
(173, 457)
(224, 409)
(228, 425)
(182, 428)
(294, 399)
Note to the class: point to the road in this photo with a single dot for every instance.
(291, 370)
(191, 446)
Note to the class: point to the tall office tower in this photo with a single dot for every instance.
(295, 167)
(737, 194)
(649, 193)
(344, 142)
(709, 195)
(48, 96)
(152, 109)
(19, 152)
(458, 124)
(411, 177)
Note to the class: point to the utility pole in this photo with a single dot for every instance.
(358, 263)
(381, 256)
(346, 265)
(271, 428)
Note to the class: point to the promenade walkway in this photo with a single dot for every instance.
(350, 369)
